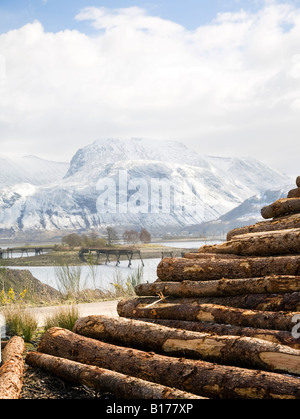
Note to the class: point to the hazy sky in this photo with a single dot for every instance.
(222, 76)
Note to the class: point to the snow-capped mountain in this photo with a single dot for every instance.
(133, 183)
(30, 169)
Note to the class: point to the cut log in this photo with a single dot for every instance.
(12, 370)
(294, 193)
(265, 302)
(177, 310)
(264, 243)
(15, 346)
(275, 336)
(281, 223)
(198, 377)
(120, 385)
(180, 269)
(218, 288)
(298, 181)
(284, 206)
(210, 256)
(229, 350)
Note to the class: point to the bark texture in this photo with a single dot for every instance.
(192, 311)
(275, 336)
(194, 376)
(180, 269)
(229, 350)
(122, 386)
(219, 288)
(294, 193)
(12, 369)
(279, 242)
(281, 223)
(284, 206)
(264, 243)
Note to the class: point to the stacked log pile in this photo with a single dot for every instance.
(244, 290)
(219, 323)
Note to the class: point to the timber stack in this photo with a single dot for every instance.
(220, 323)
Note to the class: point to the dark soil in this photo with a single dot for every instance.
(38, 384)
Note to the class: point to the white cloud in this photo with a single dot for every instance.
(231, 87)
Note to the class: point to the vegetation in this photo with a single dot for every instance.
(64, 317)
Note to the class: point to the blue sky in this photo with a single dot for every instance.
(222, 76)
(56, 15)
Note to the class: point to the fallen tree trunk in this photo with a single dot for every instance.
(281, 223)
(120, 385)
(12, 370)
(275, 336)
(284, 206)
(219, 288)
(229, 350)
(191, 311)
(180, 269)
(266, 243)
(195, 376)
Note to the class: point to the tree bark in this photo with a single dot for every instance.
(294, 193)
(15, 346)
(191, 311)
(198, 377)
(12, 370)
(219, 288)
(122, 386)
(180, 269)
(281, 223)
(284, 206)
(275, 336)
(263, 302)
(229, 350)
(279, 242)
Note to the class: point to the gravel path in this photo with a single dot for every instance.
(107, 308)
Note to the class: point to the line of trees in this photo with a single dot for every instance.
(92, 239)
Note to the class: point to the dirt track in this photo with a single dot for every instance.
(108, 308)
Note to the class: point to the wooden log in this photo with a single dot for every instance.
(264, 243)
(103, 380)
(180, 269)
(265, 302)
(280, 223)
(15, 346)
(218, 288)
(191, 311)
(298, 181)
(275, 336)
(195, 376)
(281, 207)
(229, 350)
(12, 369)
(210, 256)
(261, 302)
(294, 193)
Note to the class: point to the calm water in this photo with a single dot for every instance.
(104, 275)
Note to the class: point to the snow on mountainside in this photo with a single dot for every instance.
(30, 169)
(133, 183)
